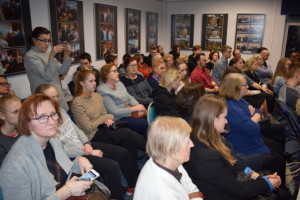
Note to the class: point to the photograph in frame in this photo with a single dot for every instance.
(67, 26)
(249, 32)
(182, 31)
(106, 31)
(133, 31)
(214, 31)
(152, 30)
(15, 27)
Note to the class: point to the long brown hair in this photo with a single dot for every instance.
(281, 70)
(81, 76)
(206, 110)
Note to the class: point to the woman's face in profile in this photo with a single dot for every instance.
(183, 155)
(220, 122)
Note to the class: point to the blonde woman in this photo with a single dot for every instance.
(168, 59)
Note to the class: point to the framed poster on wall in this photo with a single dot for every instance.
(249, 32)
(106, 30)
(214, 31)
(133, 31)
(15, 27)
(152, 27)
(182, 31)
(67, 26)
(291, 41)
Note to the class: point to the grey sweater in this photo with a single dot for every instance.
(71, 137)
(24, 173)
(116, 100)
(40, 70)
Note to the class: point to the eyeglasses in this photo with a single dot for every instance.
(134, 65)
(44, 119)
(85, 63)
(3, 84)
(114, 71)
(45, 41)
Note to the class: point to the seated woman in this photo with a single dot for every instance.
(187, 98)
(168, 59)
(5, 86)
(181, 65)
(135, 83)
(158, 68)
(89, 113)
(37, 163)
(101, 155)
(163, 176)
(9, 109)
(280, 75)
(212, 167)
(142, 66)
(120, 104)
(245, 134)
(164, 95)
(213, 57)
(175, 51)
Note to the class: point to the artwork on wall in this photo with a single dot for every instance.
(133, 31)
(106, 30)
(67, 26)
(249, 32)
(291, 39)
(214, 31)
(152, 27)
(15, 27)
(182, 31)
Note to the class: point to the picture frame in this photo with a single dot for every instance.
(133, 31)
(152, 30)
(182, 31)
(249, 32)
(106, 30)
(214, 31)
(291, 39)
(15, 26)
(67, 26)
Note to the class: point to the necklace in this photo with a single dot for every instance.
(9, 135)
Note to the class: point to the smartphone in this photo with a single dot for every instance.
(89, 176)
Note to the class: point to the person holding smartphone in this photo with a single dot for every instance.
(41, 65)
(37, 166)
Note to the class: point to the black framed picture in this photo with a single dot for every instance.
(15, 27)
(67, 26)
(106, 30)
(249, 32)
(214, 31)
(133, 31)
(182, 31)
(151, 27)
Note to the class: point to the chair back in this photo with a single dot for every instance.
(151, 113)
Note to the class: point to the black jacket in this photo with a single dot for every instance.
(216, 178)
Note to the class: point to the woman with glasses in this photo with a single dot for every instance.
(9, 109)
(5, 87)
(135, 83)
(212, 166)
(41, 65)
(37, 163)
(119, 103)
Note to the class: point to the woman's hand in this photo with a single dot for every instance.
(67, 50)
(109, 122)
(84, 165)
(267, 91)
(274, 176)
(251, 109)
(56, 49)
(78, 188)
(88, 149)
(97, 153)
(138, 108)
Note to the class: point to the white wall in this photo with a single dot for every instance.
(274, 27)
(273, 35)
(40, 16)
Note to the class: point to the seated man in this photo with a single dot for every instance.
(289, 94)
(264, 71)
(85, 63)
(201, 74)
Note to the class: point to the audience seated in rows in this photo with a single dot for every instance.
(119, 103)
(135, 83)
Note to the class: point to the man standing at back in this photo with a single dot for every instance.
(221, 64)
(264, 72)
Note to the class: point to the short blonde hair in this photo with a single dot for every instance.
(249, 63)
(165, 136)
(166, 56)
(231, 86)
(169, 76)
